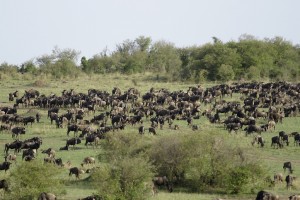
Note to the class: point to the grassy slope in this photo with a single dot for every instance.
(55, 138)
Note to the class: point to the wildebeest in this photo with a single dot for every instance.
(29, 119)
(4, 184)
(50, 152)
(64, 148)
(16, 145)
(28, 153)
(73, 141)
(72, 127)
(76, 171)
(289, 181)
(288, 165)
(259, 140)
(276, 141)
(47, 196)
(252, 129)
(16, 131)
(11, 157)
(278, 177)
(141, 130)
(294, 197)
(162, 181)
(5, 166)
(263, 195)
(92, 139)
(152, 130)
(93, 197)
(88, 160)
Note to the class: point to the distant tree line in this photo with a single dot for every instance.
(248, 59)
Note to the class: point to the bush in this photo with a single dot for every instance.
(128, 170)
(29, 179)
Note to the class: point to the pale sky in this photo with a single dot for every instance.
(32, 28)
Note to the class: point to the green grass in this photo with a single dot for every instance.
(55, 138)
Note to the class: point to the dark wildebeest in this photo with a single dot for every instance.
(72, 127)
(4, 184)
(76, 171)
(28, 153)
(73, 142)
(162, 181)
(38, 117)
(288, 165)
(141, 130)
(16, 131)
(152, 130)
(90, 139)
(64, 148)
(29, 119)
(276, 141)
(263, 195)
(5, 166)
(47, 196)
(289, 181)
(16, 145)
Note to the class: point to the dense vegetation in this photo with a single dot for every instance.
(247, 59)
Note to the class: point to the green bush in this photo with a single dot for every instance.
(127, 173)
(29, 179)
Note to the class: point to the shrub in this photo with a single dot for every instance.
(29, 179)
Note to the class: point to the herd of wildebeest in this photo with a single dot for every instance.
(80, 113)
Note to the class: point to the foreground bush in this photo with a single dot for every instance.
(29, 179)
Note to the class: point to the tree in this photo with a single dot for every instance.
(225, 73)
(164, 58)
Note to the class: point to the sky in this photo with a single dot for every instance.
(32, 28)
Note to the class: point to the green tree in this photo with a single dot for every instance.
(225, 73)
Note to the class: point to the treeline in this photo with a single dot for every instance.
(246, 59)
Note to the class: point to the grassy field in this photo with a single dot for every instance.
(56, 138)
